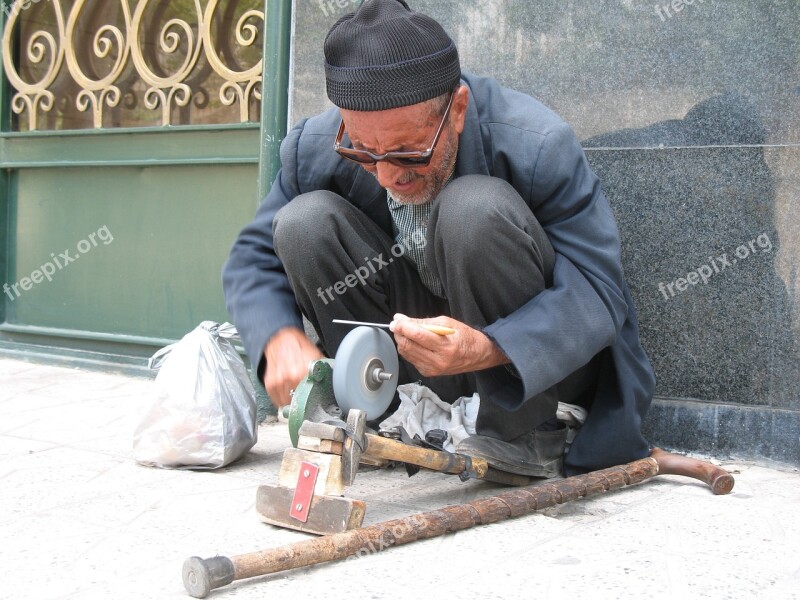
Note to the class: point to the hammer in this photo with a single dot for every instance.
(313, 476)
(353, 443)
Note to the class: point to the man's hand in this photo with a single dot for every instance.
(288, 354)
(464, 351)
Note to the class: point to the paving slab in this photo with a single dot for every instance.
(80, 519)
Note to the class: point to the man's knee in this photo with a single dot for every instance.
(306, 217)
(472, 202)
(473, 209)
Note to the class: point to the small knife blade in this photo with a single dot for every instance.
(437, 329)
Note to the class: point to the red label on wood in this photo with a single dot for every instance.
(304, 492)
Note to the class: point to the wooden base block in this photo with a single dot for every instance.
(329, 478)
(328, 514)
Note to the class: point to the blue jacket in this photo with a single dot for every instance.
(587, 311)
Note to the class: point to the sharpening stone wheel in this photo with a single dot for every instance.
(364, 361)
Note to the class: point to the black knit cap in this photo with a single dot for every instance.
(386, 55)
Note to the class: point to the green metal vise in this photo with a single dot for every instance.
(313, 400)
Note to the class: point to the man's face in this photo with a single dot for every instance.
(407, 129)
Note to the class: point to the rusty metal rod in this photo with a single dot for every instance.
(200, 576)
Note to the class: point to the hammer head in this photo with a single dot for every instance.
(354, 444)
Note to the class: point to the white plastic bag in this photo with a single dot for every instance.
(204, 412)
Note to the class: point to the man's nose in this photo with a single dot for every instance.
(387, 173)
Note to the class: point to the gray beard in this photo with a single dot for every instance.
(429, 193)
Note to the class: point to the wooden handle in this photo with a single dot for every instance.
(444, 462)
(718, 479)
(438, 329)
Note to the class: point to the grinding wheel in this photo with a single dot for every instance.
(365, 371)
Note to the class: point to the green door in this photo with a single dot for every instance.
(130, 150)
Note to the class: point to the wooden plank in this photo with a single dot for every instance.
(313, 444)
(328, 514)
(322, 430)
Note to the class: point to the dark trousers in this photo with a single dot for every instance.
(489, 251)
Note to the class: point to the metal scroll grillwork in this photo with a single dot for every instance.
(111, 63)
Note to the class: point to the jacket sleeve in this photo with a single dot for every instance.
(257, 291)
(561, 329)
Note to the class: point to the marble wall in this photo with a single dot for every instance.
(689, 111)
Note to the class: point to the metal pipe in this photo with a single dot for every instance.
(275, 90)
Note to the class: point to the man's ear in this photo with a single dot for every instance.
(458, 112)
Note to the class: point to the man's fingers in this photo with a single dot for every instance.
(288, 355)
(436, 335)
(426, 361)
(429, 352)
(278, 393)
(279, 389)
(410, 328)
(438, 329)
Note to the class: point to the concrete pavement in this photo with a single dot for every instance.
(80, 519)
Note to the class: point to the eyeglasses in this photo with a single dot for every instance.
(408, 160)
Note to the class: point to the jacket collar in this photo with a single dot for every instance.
(471, 159)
